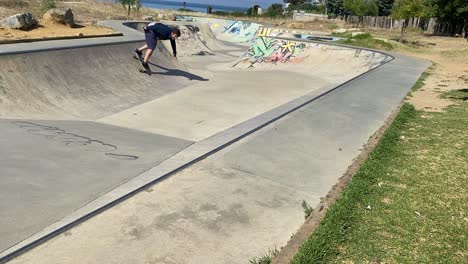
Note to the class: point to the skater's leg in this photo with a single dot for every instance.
(143, 48)
(148, 54)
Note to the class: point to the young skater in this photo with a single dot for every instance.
(153, 33)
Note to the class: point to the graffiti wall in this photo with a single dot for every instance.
(228, 30)
(270, 50)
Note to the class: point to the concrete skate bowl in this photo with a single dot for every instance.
(79, 123)
(82, 83)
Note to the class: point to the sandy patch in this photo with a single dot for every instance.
(450, 72)
(50, 30)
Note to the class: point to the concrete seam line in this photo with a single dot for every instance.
(69, 47)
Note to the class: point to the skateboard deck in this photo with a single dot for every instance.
(143, 68)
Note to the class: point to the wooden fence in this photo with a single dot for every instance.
(429, 25)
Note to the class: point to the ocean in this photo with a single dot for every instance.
(192, 6)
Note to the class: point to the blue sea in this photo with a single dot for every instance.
(192, 6)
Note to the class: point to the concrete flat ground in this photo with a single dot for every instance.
(51, 168)
(78, 127)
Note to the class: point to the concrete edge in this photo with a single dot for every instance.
(181, 160)
(127, 35)
(14, 41)
(287, 253)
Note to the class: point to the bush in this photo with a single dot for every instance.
(47, 4)
(237, 13)
(220, 13)
(185, 10)
(275, 10)
(13, 3)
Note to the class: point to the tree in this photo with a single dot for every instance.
(275, 10)
(135, 4)
(335, 7)
(450, 11)
(295, 2)
(406, 9)
(385, 7)
(361, 8)
(253, 11)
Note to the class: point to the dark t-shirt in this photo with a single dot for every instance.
(163, 32)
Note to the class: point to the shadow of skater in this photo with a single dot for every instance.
(174, 72)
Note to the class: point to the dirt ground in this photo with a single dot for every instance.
(86, 14)
(50, 30)
(449, 71)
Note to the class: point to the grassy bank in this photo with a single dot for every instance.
(364, 40)
(408, 202)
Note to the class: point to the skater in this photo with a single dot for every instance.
(153, 33)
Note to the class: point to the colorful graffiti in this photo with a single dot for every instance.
(270, 50)
(228, 30)
(242, 28)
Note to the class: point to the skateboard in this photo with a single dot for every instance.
(143, 69)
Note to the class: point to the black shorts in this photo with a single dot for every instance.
(151, 40)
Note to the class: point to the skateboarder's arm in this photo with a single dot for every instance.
(174, 47)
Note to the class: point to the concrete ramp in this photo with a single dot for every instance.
(84, 83)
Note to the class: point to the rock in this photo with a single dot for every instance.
(384, 40)
(116, 18)
(339, 30)
(19, 21)
(148, 18)
(79, 34)
(60, 16)
(357, 34)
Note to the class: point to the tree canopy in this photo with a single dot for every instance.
(135, 4)
(405, 9)
(361, 7)
(274, 10)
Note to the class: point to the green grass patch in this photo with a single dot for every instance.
(333, 26)
(408, 201)
(461, 94)
(266, 258)
(364, 40)
(420, 82)
(307, 209)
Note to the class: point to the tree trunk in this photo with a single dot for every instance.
(403, 28)
(466, 25)
(128, 12)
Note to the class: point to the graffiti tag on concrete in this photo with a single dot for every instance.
(73, 140)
